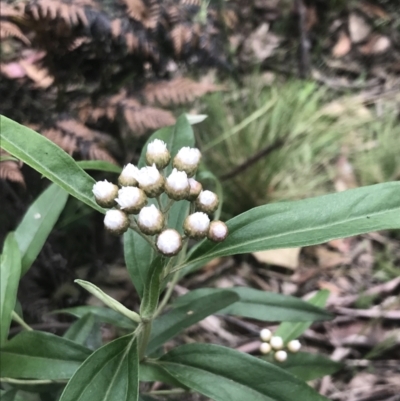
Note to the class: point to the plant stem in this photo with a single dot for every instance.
(134, 227)
(168, 294)
(20, 321)
(143, 338)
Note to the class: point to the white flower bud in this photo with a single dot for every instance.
(116, 221)
(105, 193)
(169, 242)
(195, 189)
(150, 220)
(280, 356)
(151, 181)
(276, 342)
(265, 348)
(177, 185)
(131, 199)
(218, 231)
(187, 159)
(207, 202)
(128, 176)
(196, 225)
(158, 154)
(265, 335)
(294, 346)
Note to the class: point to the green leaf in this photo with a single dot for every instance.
(206, 177)
(307, 222)
(152, 288)
(223, 374)
(111, 373)
(102, 315)
(138, 257)
(261, 305)
(290, 331)
(99, 165)
(178, 319)
(152, 372)
(8, 395)
(308, 366)
(109, 301)
(39, 220)
(40, 355)
(80, 330)
(48, 159)
(10, 271)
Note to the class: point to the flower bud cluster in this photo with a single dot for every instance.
(275, 344)
(137, 185)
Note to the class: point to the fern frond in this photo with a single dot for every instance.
(141, 118)
(137, 9)
(71, 14)
(177, 91)
(196, 3)
(10, 169)
(184, 35)
(39, 75)
(8, 29)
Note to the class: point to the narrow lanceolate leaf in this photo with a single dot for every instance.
(101, 314)
(138, 258)
(80, 330)
(172, 323)
(153, 372)
(225, 374)
(309, 366)
(48, 159)
(100, 165)
(290, 331)
(10, 271)
(39, 355)
(261, 305)
(307, 222)
(39, 220)
(109, 374)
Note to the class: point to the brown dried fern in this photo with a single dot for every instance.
(71, 14)
(74, 137)
(136, 9)
(141, 118)
(184, 35)
(9, 29)
(10, 169)
(177, 91)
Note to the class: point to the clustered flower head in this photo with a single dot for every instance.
(137, 185)
(275, 344)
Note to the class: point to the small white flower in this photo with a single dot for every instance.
(207, 201)
(265, 348)
(196, 225)
(105, 192)
(131, 199)
(294, 346)
(150, 220)
(265, 334)
(276, 342)
(187, 159)
(280, 356)
(169, 242)
(195, 189)
(150, 180)
(218, 231)
(116, 221)
(177, 185)
(158, 154)
(128, 176)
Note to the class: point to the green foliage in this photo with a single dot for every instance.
(10, 270)
(113, 371)
(290, 117)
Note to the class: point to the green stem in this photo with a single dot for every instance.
(135, 228)
(143, 338)
(20, 321)
(168, 294)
